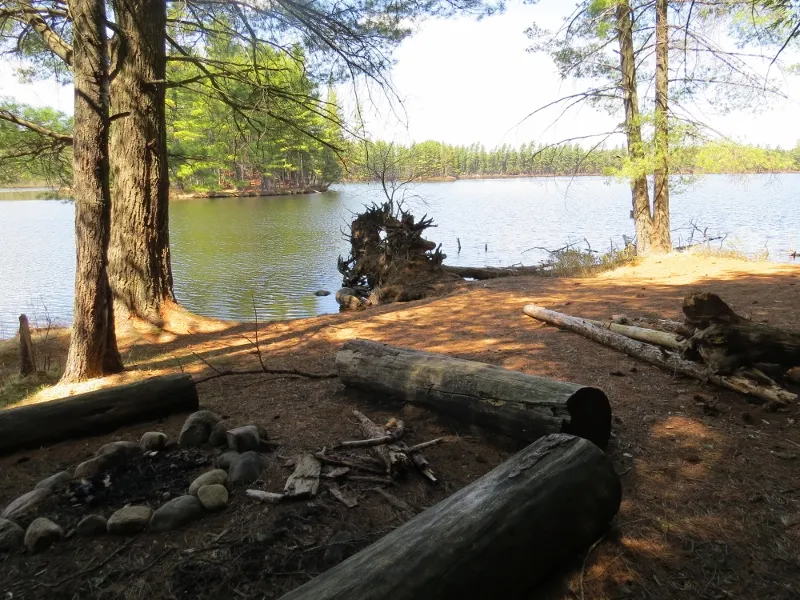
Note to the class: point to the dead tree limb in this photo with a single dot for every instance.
(658, 356)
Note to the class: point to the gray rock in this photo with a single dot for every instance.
(246, 468)
(41, 534)
(26, 503)
(92, 525)
(176, 513)
(209, 478)
(55, 482)
(98, 464)
(11, 536)
(347, 299)
(213, 497)
(243, 439)
(107, 457)
(126, 449)
(129, 520)
(225, 459)
(197, 428)
(337, 547)
(153, 440)
(322, 293)
(219, 434)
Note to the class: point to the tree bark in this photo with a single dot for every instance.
(95, 412)
(93, 347)
(642, 217)
(661, 241)
(140, 268)
(521, 406)
(658, 356)
(496, 538)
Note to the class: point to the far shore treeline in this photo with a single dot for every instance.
(209, 152)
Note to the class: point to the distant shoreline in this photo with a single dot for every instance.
(182, 195)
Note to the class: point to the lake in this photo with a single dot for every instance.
(233, 253)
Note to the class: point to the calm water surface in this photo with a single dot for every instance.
(231, 254)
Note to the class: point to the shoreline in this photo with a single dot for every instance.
(182, 195)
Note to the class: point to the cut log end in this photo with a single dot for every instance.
(590, 413)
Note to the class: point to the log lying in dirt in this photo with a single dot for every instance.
(96, 412)
(490, 272)
(522, 406)
(496, 538)
(727, 341)
(650, 336)
(658, 356)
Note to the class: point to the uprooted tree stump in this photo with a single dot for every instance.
(524, 407)
(727, 341)
(389, 259)
(496, 538)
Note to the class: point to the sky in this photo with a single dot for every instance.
(464, 80)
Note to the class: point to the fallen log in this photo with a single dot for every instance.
(521, 406)
(481, 273)
(651, 336)
(96, 412)
(496, 538)
(658, 356)
(727, 341)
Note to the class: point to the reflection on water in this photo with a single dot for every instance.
(232, 254)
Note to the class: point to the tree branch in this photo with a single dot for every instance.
(12, 118)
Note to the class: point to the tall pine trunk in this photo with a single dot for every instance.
(140, 270)
(93, 346)
(642, 218)
(661, 241)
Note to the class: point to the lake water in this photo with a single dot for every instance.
(275, 252)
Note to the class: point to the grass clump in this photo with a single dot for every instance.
(575, 262)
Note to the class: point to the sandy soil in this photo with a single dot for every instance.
(707, 477)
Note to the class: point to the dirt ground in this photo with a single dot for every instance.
(706, 476)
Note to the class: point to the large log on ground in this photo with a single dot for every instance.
(490, 272)
(496, 538)
(522, 406)
(658, 356)
(727, 341)
(95, 412)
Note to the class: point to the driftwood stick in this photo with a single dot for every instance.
(650, 336)
(423, 445)
(658, 356)
(371, 430)
(368, 479)
(389, 438)
(340, 462)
